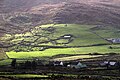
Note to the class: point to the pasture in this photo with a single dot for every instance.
(53, 52)
(84, 41)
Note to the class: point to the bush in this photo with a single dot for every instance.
(95, 53)
(111, 54)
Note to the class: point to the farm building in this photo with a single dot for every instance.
(113, 64)
(67, 36)
(110, 64)
(58, 63)
(77, 65)
(105, 63)
(114, 40)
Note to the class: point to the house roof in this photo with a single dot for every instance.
(106, 62)
(67, 36)
(114, 40)
(112, 63)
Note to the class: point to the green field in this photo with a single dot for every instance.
(82, 42)
(53, 52)
(24, 76)
(82, 34)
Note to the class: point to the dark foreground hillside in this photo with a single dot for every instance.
(93, 71)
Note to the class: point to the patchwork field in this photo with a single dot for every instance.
(54, 39)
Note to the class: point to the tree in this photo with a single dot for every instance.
(13, 63)
(110, 47)
(27, 65)
(34, 64)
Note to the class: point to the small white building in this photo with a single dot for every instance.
(58, 63)
(109, 64)
(112, 63)
(67, 36)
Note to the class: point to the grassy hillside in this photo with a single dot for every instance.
(84, 41)
(108, 32)
(57, 35)
(2, 54)
(53, 52)
(18, 16)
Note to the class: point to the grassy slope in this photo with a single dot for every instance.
(82, 33)
(109, 33)
(83, 37)
(25, 76)
(53, 52)
(2, 54)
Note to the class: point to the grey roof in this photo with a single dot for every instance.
(114, 40)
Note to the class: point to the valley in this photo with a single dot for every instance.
(35, 35)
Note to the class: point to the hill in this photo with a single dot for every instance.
(18, 16)
(50, 40)
(21, 16)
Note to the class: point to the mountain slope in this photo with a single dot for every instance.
(81, 13)
(18, 16)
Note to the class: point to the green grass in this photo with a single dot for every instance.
(8, 61)
(5, 62)
(25, 76)
(53, 52)
(2, 54)
(81, 32)
(76, 57)
(83, 37)
(108, 32)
